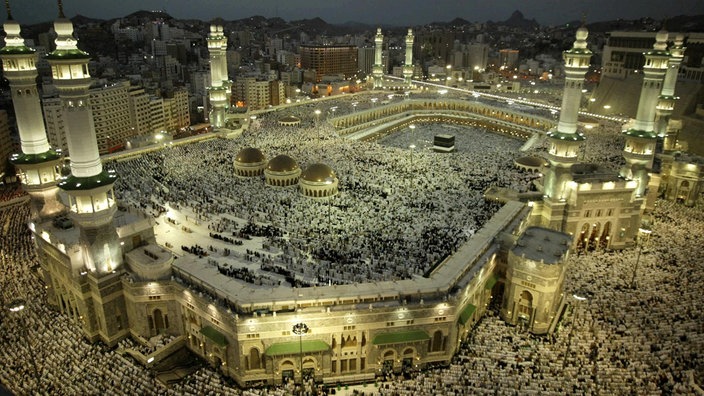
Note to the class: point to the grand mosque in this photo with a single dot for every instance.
(103, 267)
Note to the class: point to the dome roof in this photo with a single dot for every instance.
(532, 161)
(318, 173)
(282, 163)
(249, 155)
(290, 119)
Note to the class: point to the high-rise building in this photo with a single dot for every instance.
(478, 56)
(140, 114)
(365, 60)
(329, 59)
(55, 126)
(121, 111)
(508, 58)
(277, 92)
(110, 105)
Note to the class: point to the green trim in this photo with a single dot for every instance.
(579, 51)
(639, 133)
(668, 97)
(73, 183)
(68, 54)
(31, 159)
(466, 313)
(220, 88)
(296, 347)
(657, 53)
(214, 335)
(18, 50)
(491, 282)
(574, 137)
(400, 337)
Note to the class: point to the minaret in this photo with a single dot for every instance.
(641, 139)
(564, 141)
(667, 99)
(378, 68)
(408, 65)
(38, 165)
(219, 88)
(89, 188)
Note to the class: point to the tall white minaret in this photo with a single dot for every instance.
(639, 150)
(408, 65)
(564, 141)
(378, 68)
(89, 187)
(219, 90)
(38, 165)
(667, 99)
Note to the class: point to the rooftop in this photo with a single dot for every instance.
(542, 244)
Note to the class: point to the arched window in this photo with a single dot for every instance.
(158, 320)
(525, 305)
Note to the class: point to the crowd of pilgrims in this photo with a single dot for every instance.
(621, 340)
(397, 214)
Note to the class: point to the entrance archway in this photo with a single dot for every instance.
(525, 307)
(605, 236)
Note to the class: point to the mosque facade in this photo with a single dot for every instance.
(104, 269)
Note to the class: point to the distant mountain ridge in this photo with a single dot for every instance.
(316, 25)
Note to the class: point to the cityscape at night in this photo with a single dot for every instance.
(313, 198)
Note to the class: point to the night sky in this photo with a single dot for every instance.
(390, 12)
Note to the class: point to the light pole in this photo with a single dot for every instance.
(300, 329)
(579, 296)
(317, 119)
(18, 305)
(641, 232)
(328, 181)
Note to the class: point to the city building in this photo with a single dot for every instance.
(508, 58)
(111, 115)
(329, 60)
(365, 60)
(120, 112)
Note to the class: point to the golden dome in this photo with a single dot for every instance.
(249, 155)
(318, 173)
(282, 163)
